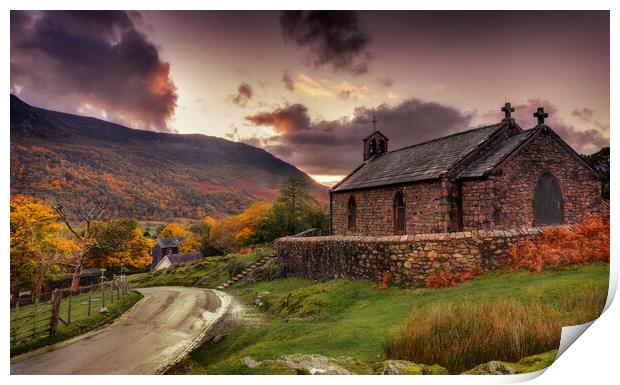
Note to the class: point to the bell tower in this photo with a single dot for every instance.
(375, 143)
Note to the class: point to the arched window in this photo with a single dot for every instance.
(399, 213)
(352, 214)
(548, 205)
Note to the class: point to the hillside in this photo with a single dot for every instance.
(148, 175)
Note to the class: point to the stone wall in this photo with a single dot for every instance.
(426, 209)
(409, 258)
(506, 199)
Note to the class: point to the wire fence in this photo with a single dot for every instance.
(34, 318)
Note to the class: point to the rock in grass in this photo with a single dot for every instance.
(253, 364)
(491, 367)
(218, 338)
(407, 367)
(312, 364)
(300, 364)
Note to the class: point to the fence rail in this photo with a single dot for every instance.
(42, 316)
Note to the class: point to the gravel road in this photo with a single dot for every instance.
(160, 328)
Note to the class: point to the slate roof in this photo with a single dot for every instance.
(487, 163)
(169, 242)
(181, 258)
(422, 161)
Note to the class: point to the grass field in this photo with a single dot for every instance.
(222, 268)
(80, 321)
(351, 318)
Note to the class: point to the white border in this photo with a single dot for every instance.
(593, 357)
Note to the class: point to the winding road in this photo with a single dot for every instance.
(162, 327)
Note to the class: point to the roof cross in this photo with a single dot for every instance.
(508, 110)
(541, 115)
(374, 121)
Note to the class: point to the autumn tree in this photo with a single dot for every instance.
(38, 249)
(199, 238)
(120, 243)
(79, 215)
(173, 230)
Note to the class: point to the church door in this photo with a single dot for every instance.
(548, 208)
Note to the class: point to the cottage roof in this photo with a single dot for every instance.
(169, 242)
(181, 258)
(422, 161)
(487, 163)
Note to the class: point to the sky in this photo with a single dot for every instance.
(304, 85)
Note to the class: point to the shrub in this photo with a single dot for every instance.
(449, 278)
(461, 336)
(562, 246)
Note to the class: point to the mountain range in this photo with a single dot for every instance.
(147, 175)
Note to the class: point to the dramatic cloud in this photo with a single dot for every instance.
(289, 84)
(333, 38)
(386, 82)
(244, 94)
(91, 62)
(290, 118)
(584, 140)
(335, 146)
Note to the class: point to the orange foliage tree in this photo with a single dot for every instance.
(120, 243)
(173, 230)
(38, 249)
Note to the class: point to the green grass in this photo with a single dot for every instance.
(223, 267)
(350, 318)
(80, 321)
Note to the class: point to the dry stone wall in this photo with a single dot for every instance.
(409, 258)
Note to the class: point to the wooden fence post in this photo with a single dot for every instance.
(69, 308)
(34, 317)
(56, 297)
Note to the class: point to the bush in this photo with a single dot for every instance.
(461, 336)
(449, 278)
(562, 246)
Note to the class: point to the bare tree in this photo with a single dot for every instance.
(79, 215)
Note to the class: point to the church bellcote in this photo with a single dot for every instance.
(375, 143)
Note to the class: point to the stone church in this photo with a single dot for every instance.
(494, 177)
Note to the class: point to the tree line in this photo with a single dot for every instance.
(294, 211)
(52, 237)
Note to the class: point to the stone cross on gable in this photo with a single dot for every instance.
(507, 110)
(541, 115)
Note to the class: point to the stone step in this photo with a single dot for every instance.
(221, 287)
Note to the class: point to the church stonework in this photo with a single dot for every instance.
(493, 177)
(506, 198)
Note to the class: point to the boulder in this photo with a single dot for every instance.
(491, 367)
(253, 364)
(301, 364)
(407, 367)
(312, 364)
(218, 338)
